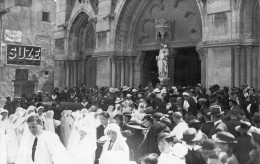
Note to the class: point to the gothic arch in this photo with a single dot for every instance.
(128, 20)
(81, 34)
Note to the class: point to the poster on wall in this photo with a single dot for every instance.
(217, 6)
(23, 55)
(13, 36)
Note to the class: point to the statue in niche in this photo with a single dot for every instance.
(162, 62)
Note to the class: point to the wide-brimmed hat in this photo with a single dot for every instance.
(163, 135)
(137, 126)
(224, 137)
(156, 90)
(112, 90)
(157, 115)
(186, 94)
(118, 100)
(202, 100)
(134, 90)
(215, 110)
(191, 135)
(125, 88)
(244, 126)
(165, 120)
(128, 95)
(163, 91)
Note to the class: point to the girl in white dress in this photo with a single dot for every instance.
(115, 149)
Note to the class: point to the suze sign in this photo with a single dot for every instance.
(23, 55)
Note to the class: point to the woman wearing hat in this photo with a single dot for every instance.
(244, 146)
(255, 153)
(165, 145)
(225, 143)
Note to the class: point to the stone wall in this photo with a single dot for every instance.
(35, 32)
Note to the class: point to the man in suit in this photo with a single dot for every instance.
(64, 94)
(219, 125)
(189, 104)
(103, 117)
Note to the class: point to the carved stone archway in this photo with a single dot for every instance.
(80, 66)
(135, 18)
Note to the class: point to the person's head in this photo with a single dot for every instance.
(127, 117)
(165, 142)
(157, 116)
(213, 159)
(215, 113)
(103, 117)
(4, 113)
(113, 131)
(119, 119)
(149, 159)
(186, 95)
(225, 141)
(148, 121)
(232, 103)
(177, 117)
(35, 124)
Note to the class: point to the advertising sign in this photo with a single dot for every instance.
(23, 55)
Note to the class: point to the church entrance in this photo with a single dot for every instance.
(185, 72)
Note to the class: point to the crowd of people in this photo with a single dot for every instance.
(148, 125)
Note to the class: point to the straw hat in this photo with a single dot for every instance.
(191, 135)
(244, 126)
(224, 137)
(215, 110)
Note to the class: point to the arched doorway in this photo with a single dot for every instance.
(80, 51)
(184, 33)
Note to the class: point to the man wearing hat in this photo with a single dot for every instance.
(155, 101)
(204, 108)
(149, 144)
(244, 146)
(194, 156)
(255, 153)
(219, 125)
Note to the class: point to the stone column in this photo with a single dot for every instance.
(127, 71)
(249, 50)
(113, 70)
(131, 78)
(122, 61)
(203, 52)
(236, 69)
(138, 68)
(67, 63)
(118, 73)
(85, 63)
(75, 73)
(242, 66)
(171, 65)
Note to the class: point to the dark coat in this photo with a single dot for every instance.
(100, 132)
(231, 124)
(149, 144)
(64, 96)
(243, 148)
(219, 127)
(194, 157)
(207, 127)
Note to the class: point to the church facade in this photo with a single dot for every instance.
(115, 42)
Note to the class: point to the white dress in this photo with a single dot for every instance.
(119, 153)
(49, 150)
(3, 142)
(169, 159)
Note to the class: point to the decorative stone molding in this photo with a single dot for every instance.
(203, 52)
(110, 16)
(93, 20)
(163, 29)
(113, 5)
(176, 3)
(94, 4)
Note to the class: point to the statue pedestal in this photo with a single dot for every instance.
(164, 82)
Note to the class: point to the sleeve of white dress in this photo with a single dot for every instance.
(58, 152)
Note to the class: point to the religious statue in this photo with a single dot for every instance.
(162, 62)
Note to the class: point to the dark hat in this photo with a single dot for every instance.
(120, 116)
(157, 115)
(194, 123)
(256, 133)
(215, 110)
(208, 144)
(136, 126)
(256, 118)
(177, 115)
(191, 135)
(148, 117)
(166, 121)
(243, 127)
(163, 135)
(127, 114)
(224, 137)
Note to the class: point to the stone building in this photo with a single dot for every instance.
(115, 42)
(27, 46)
